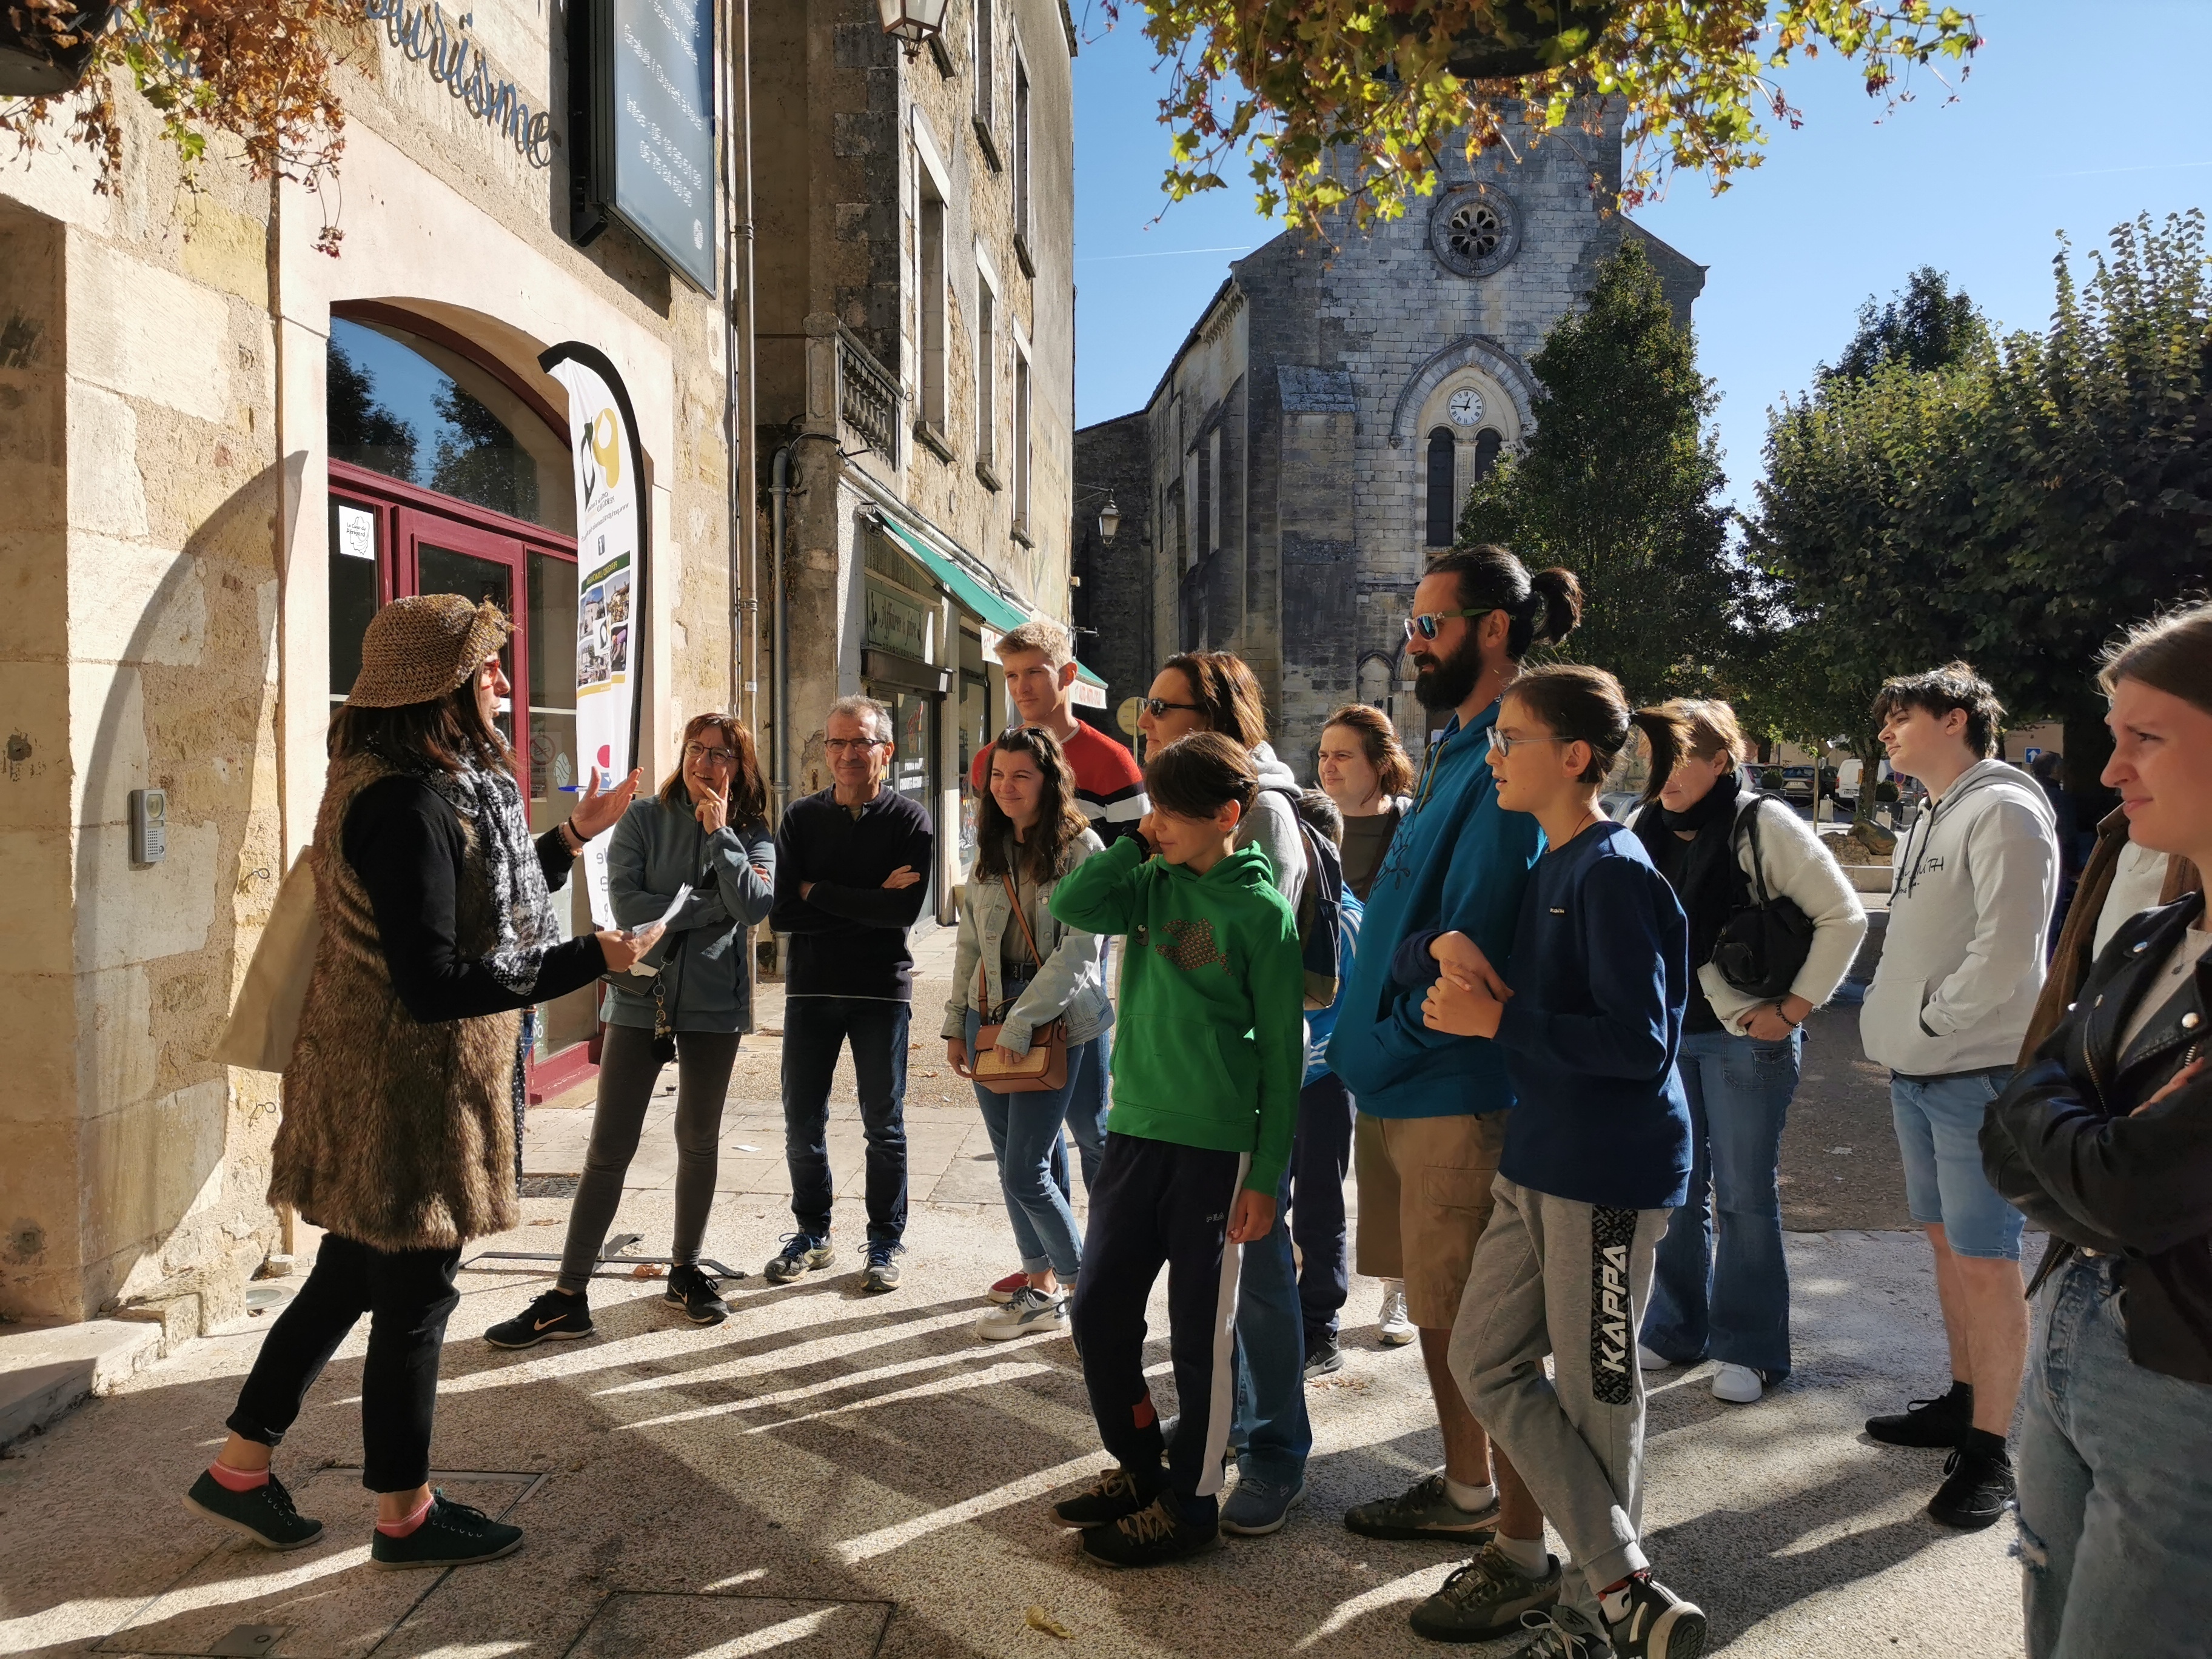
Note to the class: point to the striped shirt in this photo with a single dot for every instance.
(1108, 787)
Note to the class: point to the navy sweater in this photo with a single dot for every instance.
(1600, 972)
(849, 932)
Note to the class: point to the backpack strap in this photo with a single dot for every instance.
(1747, 820)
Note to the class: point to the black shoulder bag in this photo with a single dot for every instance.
(1764, 943)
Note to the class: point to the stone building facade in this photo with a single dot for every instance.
(1310, 446)
(220, 449)
(917, 329)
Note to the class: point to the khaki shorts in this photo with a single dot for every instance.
(1423, 1200)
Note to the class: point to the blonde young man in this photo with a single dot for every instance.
(1040, 663)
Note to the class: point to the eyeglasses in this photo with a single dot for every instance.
(1156, 706)
(1425, 623)
(854, 745)
(1502, 745)
(699, 751)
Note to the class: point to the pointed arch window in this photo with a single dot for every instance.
(1444, 452)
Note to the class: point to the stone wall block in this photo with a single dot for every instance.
(129, 913)
(34, 757)
(107, 750)
(145, 333)
(107, 490)
(116, 1057)
(143, 1167)
(129, 602)
(37, 938)
(40, 1222)
(42, 1060)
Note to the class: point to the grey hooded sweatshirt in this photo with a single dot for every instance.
(1272, 825)
(1971, 887)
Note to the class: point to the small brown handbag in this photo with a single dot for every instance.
(1045, 1067)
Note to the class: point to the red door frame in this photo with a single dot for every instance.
(408, 515)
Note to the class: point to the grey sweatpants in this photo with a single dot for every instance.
(628, 1071)
(1555, 1277)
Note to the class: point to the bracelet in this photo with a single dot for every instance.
(575, 838)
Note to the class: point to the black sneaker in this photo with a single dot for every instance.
(691, 1288)
(1943, 1421)
(1152, 1537)
(1424, 1510)
(450, 1535)
(802, 1253)
(1323, 1357)
(554, 1316)
(265, 1514)
(1658, 1625)
(1977, 1487)
(881, 1273)
(1487, 1599)
(1112, 1495)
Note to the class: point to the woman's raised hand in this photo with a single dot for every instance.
(598, 809)
(712, 808)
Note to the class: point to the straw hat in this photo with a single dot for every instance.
(419, 649)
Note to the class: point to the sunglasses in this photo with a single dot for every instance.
(1425, 623)
(1156, 706)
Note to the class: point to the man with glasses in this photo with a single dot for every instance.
(851, 871)
(1431, 1106)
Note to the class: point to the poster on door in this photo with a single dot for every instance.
(607, 461)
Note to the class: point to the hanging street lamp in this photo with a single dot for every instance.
(1109, 520)
(913, 22)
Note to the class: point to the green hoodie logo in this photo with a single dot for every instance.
(1191, 945)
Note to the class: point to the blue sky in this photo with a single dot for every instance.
(2064, 124)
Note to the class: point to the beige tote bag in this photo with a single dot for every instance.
(266, 1022)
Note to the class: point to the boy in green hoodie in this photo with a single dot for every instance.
(1209, 1050)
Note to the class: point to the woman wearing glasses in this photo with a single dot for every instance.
(689, 1000)
(1214, 691)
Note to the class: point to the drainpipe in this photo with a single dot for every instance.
(779, 494)
(741, 380)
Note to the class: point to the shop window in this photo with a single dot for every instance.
(415, 411)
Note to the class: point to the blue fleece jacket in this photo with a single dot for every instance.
(1456, 863)
(1600, 970)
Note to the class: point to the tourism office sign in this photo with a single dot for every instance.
(649, 75)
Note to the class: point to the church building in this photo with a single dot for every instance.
(1308, 448)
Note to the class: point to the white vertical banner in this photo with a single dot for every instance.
(608, 462)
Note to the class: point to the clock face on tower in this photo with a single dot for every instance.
(1466, 406)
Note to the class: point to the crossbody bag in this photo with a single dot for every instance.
(1045, 1067)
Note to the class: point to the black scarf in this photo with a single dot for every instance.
(1704, 871)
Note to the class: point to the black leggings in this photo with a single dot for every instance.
(408, 1295)
(628, 1071)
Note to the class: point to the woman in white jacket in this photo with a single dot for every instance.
(1713, 839)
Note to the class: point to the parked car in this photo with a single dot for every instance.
(1797, 784)
(1617, 803)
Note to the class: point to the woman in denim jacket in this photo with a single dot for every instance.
(2104, 1138)
(1030, 833)
(691, 1001)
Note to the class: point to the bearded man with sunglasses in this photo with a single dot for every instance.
(1431, 1106)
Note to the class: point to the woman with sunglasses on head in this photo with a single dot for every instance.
(2105, 1139)
(1718, 844)
(1215, 691)
(689, 1000)
(1018, 967)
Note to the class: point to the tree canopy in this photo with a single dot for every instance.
(1621, 481)
(1341, 103)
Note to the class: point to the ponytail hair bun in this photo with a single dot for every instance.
(1557, 607)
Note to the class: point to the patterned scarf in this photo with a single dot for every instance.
(522, 910)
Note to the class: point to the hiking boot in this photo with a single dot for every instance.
(1259, 1505)
(264, 1513)
(1977, 1487)
(691, 1288)
(881, 1273)
(1003, 1291)
(1112, 1495)
(802, 1253)
(1323, 1357)
(450, 1535)
(1659, 1624)
(1424, 1510)
(1563, 1633)
(1028, 1312)
(1393, 1325)
(555, 1317)
(1150, 1537)
(1486, 1599)
(1943, 1421)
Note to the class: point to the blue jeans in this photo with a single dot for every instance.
(1321, 1157)
(814, 1029)
(2115, 1470)
(1024, 1131)
(1732, 1305)
(1271, 1432)
(1939, 1130)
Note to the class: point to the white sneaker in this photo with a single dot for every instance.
(1027, 1312)
(1649, 1361)
(1392, 1324)
(1739, 1385)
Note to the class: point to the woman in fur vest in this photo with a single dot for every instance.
(398, 1134)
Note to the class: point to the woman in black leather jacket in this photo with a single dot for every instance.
(2105, 1140)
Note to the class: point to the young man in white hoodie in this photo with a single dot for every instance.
(1961, 965)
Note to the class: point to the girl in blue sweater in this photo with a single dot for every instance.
(1597, 1153)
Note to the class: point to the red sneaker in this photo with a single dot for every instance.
(1003, 1291)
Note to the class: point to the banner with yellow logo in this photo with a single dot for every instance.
(608, 462)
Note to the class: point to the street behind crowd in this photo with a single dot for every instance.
(829, 1476)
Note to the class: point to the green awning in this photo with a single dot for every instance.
(1000, 613)
(1090, 677)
